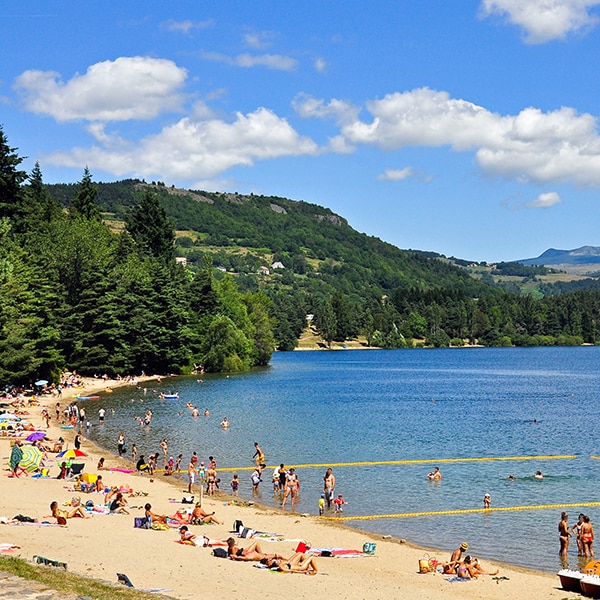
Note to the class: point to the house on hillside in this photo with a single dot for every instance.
(181, 260)
(263, 270)
(277, 265)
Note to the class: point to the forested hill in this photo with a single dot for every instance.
(246, 232)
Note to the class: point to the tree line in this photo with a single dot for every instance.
(75, 293)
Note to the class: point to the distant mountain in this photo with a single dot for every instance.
(586, 255)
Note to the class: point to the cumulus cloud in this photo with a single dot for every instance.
(246, 60)
(126, 88)
(396, 174)
(186, 27)
(544, 20)
(193, 150)
(532, 146)
(545, 200)
(339, 110)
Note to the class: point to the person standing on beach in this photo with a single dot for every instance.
(165, 448)
(292, 486)
(329, 486)
(121, 443)
(191, 475)
(77, 442)
(564, 534)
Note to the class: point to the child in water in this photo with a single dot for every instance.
(235, 485)
(321, 505)
(339, 503)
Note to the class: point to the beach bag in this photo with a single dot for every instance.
(369, 548)
(187, 500)
(141, 522)
(220, 552)
(237, 526)
(428, 564)
(247, 532)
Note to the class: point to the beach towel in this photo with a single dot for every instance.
(16, 456)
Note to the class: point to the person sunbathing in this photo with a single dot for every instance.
(153, 517)
(252, 553)
(477, 568)
(59, 514)
(187, 537)
(299, 562)
(200, 517)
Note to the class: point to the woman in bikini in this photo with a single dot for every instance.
(252, 553)
(587, 537)
(564, 534)
(291, 487)
(299, 562)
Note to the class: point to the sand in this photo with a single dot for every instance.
(103, 545)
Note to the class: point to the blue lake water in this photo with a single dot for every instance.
(368, 406)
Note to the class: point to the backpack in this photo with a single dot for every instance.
(220, 552)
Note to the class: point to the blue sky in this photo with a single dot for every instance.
(467, 128)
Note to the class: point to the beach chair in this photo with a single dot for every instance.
(76, 469)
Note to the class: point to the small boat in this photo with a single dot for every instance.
(590, 585)
(570, 580)
(88, 397)
(170, 396)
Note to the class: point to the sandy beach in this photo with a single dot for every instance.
(103, 545)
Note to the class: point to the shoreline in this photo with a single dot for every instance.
(101, 546)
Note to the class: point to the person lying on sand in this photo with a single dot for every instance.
(199, 516)
(57, 513)
(252, 552)
(299, 562)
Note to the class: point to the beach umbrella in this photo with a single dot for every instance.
(36, 436)
(72, 453)
(9, 417)
(32, 458)
(41, 382)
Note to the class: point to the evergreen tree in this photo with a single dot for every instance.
(151, 229)
(41, 207)
(11, 178)
(84, 204)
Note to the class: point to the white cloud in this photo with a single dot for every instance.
(396, 174)
(320, 65)
(544, 20)
(186, 27)
(545, 200)
(532, 146)
(259, 40)
(271, 61)
(127, 88)
(339, 110)
(193, 150)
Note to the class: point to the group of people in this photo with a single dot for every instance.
(464, 567)
(583, 531)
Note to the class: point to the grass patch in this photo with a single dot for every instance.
(69, 583)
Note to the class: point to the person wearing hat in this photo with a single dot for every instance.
(456, 558)
(487, 501)
(321, 505)
(187, 537)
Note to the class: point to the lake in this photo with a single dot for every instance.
(426, 406)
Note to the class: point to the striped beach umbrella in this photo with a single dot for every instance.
(72, 453)
(32, 458)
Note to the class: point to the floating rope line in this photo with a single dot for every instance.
(420, 461)
(463, 511)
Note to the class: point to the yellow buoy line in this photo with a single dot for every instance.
(463, 511)
(419, 461)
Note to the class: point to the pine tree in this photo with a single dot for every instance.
(11, 178)
(152, 230)
(84, 204)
